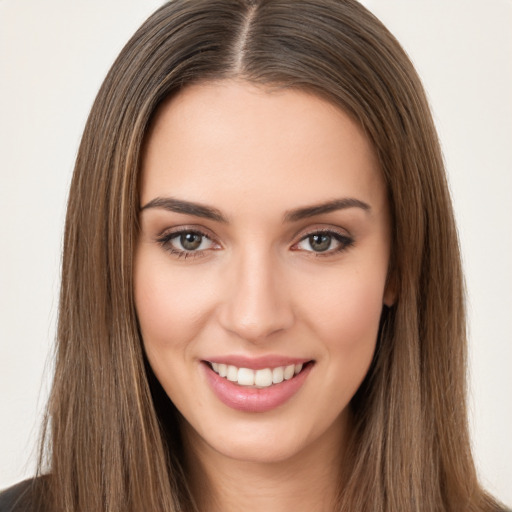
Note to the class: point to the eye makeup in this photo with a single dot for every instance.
(186, 242)
(192, 242)
(324, 242)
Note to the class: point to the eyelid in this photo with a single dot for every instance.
(345, 239)
(321, 228)
(165, 236)
(187, 228)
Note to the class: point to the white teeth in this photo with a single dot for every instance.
(289, 372)
(263, 378)
(245, 377)
(232, 374)
(278, 375)
(260, 378)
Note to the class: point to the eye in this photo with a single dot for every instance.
(187, 243)
(190, 241)
(324, 242)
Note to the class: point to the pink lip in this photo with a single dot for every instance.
(257, 363)
(248, 399)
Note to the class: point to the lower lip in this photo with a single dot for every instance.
(248, 399)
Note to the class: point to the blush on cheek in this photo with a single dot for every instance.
(349, 329)
(349, 311)
(165, 315)
(353, 332)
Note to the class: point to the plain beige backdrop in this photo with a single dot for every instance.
(53, 57)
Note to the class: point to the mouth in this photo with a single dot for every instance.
(256, 390)
(259, 379)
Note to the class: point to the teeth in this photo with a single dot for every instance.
(263, 378)
(278, 375)
(232, 374)
(245, 377)
(260, 378)
(289, 371)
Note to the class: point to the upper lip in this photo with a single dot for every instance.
(257, 363)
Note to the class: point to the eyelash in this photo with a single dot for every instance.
(166, 239)
(344, 241)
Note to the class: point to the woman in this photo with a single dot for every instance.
(261, 281)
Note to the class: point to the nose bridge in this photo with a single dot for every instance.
(257, 305)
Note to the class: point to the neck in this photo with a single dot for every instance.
(308, 480)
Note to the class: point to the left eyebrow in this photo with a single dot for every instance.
(186, 207)
(327, 207)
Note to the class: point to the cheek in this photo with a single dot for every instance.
(170, 305)
(345, 316)
(346, 304)
(171, 308)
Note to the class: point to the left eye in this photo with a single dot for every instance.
(322, 242)
(189, 241)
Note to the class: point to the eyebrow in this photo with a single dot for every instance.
(327, 207)
(187, 207)
(172, 204)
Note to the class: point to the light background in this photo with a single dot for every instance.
(53, 57)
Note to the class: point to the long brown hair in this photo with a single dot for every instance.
(111, 436)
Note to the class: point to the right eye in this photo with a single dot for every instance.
(324, 242)
(187, 243)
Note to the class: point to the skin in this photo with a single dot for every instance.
(256, 286)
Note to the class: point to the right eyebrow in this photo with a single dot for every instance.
(186, 207)
(327, 207)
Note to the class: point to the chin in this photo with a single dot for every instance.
(260, 449)
(268, 439)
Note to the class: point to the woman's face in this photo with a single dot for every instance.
(261, 266)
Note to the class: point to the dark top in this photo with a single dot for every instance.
(17, 498)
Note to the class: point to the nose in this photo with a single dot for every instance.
(257, 303)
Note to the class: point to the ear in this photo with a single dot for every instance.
(390, 291)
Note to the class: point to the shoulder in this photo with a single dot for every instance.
(20, 497)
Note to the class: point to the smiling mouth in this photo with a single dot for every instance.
(262, 378)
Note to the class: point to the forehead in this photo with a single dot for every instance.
(230, 141)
